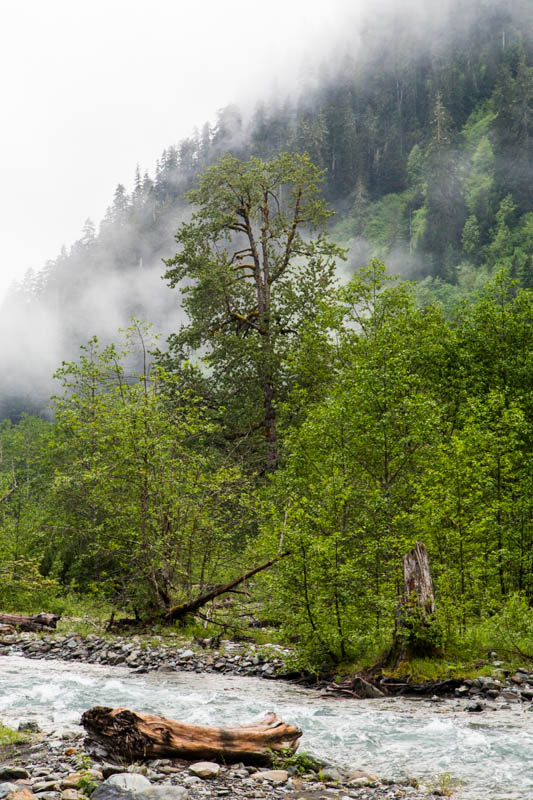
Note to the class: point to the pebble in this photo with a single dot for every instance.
(205, 769)
(175, 780)
(272, 775)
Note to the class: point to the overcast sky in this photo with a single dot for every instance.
(91, 88)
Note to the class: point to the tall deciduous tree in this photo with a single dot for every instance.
(252, 264)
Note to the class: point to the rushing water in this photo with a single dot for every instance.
(491, 753)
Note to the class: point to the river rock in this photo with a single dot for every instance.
(29, 727)
(6, 788)
(45, 786)
(205, 769)
(72, 781)
(474, 706)
(166, 792)
(13, 773)
(111, 769)
(272, 776)
(107, 791)
(21, 794)
(130, 781)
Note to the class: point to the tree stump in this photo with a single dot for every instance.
(131, 736)
(416, 633)
(417, 583)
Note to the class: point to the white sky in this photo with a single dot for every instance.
(91, 88)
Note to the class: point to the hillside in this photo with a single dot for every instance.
(426, 134)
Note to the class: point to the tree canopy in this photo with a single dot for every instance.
(253, 265)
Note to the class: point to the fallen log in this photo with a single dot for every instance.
(180, 611)
(131, 736)
(33, 624)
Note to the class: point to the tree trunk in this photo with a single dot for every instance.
(417, 583)
(35, 623)
(415, 630)
(133, 736)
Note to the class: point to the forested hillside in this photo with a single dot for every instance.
(426, 134)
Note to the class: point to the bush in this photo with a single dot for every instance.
(22, 587)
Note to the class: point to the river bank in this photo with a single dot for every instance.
(50, 769)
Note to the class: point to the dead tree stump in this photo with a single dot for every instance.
(416, 633)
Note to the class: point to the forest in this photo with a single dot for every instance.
(293, 399)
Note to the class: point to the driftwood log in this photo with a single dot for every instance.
(131, 736)
(34, 624)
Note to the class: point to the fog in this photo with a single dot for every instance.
(92, 89)
(96, 89)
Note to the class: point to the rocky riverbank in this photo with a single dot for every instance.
(142, 655)
(52, 768)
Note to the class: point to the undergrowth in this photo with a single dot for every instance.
(10, 736)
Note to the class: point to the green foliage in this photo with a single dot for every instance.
(86, 784)
(510, 630)
(423, 635)
(386, 223)
(148, 515)
(253, 263)
(23, 587)
(422, 432)
(341, 500)
(10, 736)
(444, 784)
(299, 763)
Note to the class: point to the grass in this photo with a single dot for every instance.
(10, 736)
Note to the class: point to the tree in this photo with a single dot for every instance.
(253, 264)
(344, 495)
(140, 510)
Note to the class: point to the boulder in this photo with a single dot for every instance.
(130, 781)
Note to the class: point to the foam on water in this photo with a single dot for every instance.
(492, 754)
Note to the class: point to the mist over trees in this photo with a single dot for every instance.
(424, 129)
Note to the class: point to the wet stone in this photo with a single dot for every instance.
(13, 773)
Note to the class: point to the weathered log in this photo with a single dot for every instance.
(128, 735)
(178, 612)
(33, 624)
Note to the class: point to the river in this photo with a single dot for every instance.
(491, 753)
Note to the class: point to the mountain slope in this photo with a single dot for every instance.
(426, 133)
